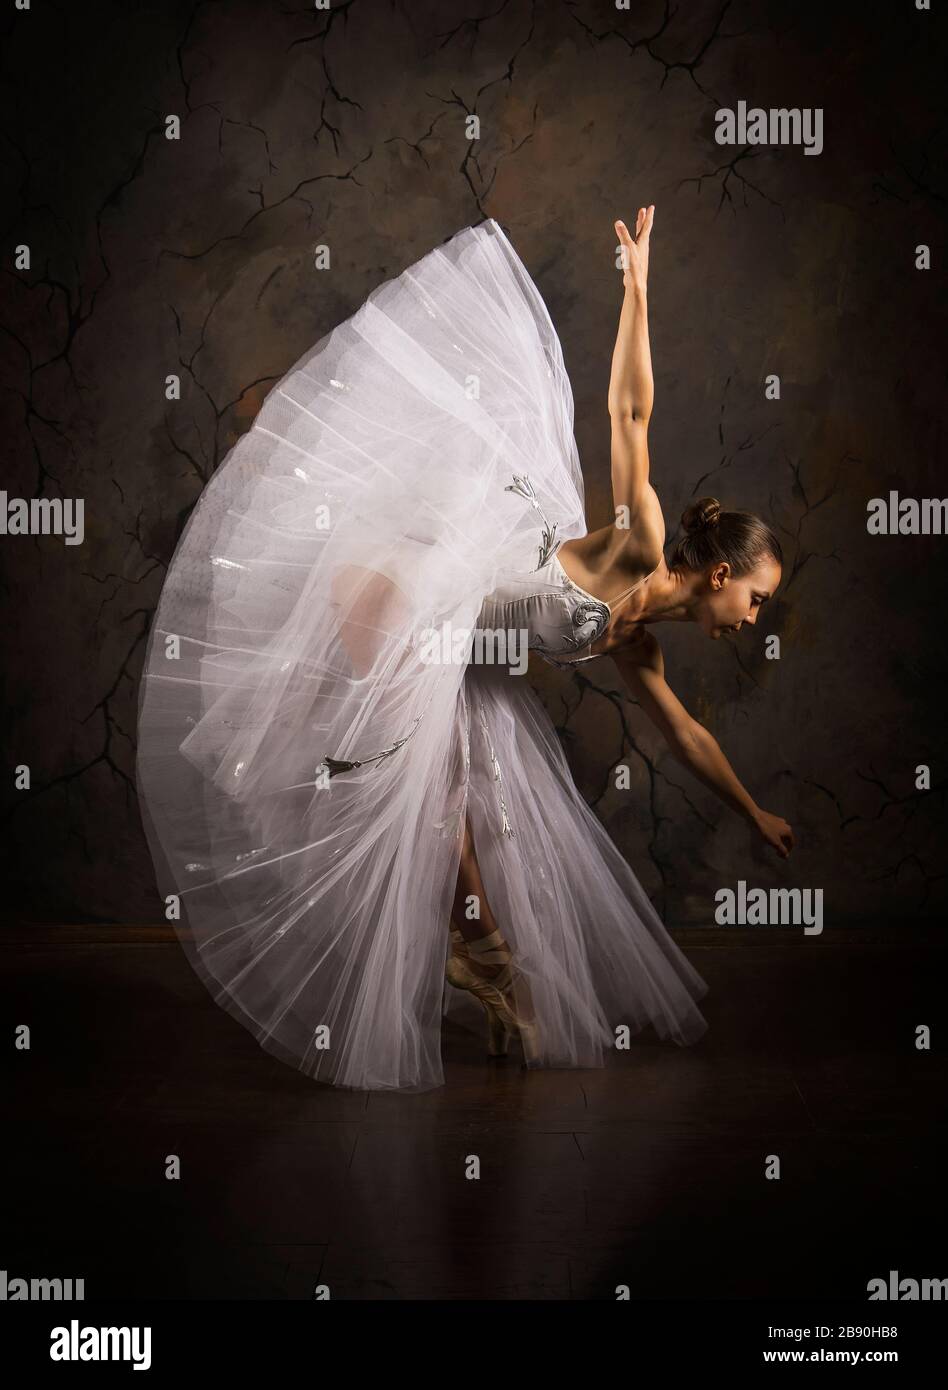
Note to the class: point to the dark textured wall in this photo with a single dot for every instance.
(347, 127)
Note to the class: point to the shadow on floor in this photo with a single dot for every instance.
(649, 1173)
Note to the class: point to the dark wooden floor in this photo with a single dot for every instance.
(649, 1173)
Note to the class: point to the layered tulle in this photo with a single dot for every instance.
(419, 451)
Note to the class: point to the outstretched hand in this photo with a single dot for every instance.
(776, 832)
(634, 250)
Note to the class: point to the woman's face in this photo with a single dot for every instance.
(726, 603)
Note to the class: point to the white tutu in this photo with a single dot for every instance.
(370, 502)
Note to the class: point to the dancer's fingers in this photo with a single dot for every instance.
(627, 245)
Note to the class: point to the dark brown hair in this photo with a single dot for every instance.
(712, 536)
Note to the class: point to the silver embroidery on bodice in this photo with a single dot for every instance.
(562, 619)
(549, 545)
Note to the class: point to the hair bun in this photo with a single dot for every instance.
(701, 515)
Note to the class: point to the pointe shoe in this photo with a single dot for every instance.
(529, 1041)
(498, 1036)
(458, 973)
(458, 944)
(492, 950)
(494, 992)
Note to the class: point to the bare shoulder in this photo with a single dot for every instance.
(641, 649)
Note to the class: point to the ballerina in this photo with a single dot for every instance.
(321, 797)
(723, 571)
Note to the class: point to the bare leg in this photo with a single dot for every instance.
(373, 608)
(471, 885)
(484, 952)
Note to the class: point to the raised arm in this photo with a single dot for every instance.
(631, 389)
(691, 743)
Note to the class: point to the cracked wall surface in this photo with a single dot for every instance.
(347, 127)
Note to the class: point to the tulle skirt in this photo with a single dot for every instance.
(305, 768)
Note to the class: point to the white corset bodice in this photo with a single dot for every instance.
(562, 619)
